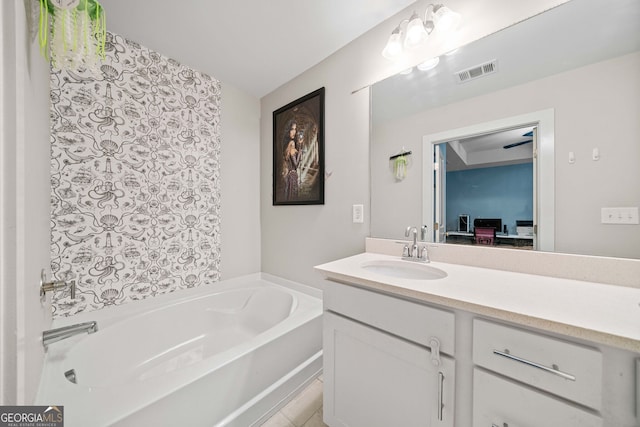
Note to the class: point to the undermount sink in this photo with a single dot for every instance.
(404, 269)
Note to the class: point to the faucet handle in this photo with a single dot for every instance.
(405, 251)
(52, 285)
(423, 254)
(72, 288)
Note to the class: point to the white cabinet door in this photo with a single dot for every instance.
(374, 379)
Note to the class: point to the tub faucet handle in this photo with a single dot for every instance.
(52, 285)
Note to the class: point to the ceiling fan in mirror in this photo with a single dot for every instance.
(517, 144)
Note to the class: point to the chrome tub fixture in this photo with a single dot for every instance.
(58, 334)
(54, 285)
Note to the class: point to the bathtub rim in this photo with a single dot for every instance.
(110, 315)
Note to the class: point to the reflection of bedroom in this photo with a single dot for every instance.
(488, 187)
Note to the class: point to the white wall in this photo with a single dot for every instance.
(295, 238)
(25, 204)
(588, 114)
(240, 183)
(8, 343)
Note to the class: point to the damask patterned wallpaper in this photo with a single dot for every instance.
(135, 178)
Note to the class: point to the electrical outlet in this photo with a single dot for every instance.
(619, 215)
(358, 214)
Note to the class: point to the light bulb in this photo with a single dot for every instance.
(393, 49)
(416, 33)
(445, 19)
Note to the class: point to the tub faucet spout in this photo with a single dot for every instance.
(58, 334)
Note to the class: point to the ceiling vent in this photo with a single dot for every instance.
(476, 71)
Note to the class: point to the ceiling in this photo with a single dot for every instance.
(255, 45)
(507, 147)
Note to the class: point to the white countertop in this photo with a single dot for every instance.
(601, 313)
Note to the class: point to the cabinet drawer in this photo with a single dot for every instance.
(568, 370)
(499, 402)
(412, 321)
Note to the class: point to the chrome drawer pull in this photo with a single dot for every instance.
(553, 370)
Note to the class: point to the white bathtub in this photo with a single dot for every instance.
(228, 354)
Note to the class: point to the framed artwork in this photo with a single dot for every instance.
(298, 151)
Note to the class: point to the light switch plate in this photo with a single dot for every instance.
(619, 215)
(358, 214)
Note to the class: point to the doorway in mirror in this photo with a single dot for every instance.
(490, 178)
(498, 170)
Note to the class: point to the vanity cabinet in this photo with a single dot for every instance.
(507, 355)
(383, 361)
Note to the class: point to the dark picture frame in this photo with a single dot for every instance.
(298, 151)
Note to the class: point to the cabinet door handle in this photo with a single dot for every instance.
(553, 370)
(440, 394)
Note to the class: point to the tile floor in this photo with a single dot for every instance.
(304, 410)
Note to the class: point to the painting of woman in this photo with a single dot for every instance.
(298, 151)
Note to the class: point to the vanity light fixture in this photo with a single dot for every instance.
(417, 30)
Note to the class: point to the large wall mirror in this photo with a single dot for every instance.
(537, 126)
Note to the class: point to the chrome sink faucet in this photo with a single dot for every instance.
(415, 252)
(58, 334)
